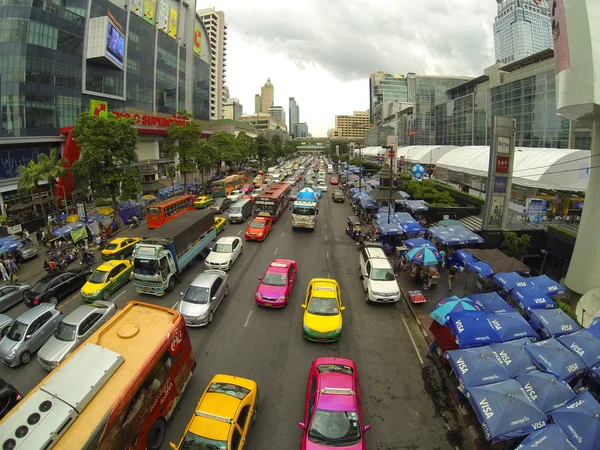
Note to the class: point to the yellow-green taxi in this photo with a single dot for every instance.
(220, 224)
(119, 248)
(106, 279)
(322, 311)
(203, 201)
(224, 415)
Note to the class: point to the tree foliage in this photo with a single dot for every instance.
(108, 148)
(343, 147)
(184, 141)
(264, 149)
(515, 245)
(289, 148)
(425, 190)
(225, 145)
(246, 146)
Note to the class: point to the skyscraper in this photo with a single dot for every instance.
(277, 112)
(257, 103)
(522, 28)
(266, 96)
(386, 87)
(294, 112)
(301, 130)
(214, 21)
(232, 109)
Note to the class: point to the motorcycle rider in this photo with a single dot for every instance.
(135, 222)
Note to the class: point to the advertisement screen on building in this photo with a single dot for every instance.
(198, 41)
(150, 11)
(562, 58)
(115, 45)
(173, 23)
(137, 7)
(162, 18)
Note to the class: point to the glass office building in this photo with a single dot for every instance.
(386, 87)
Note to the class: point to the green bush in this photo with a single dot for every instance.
(425, 190)
(567, 310)
(515, 245)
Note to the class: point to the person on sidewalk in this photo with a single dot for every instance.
(452, 271)
(4, 273)
(13, 266)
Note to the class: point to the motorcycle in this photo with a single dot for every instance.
(88, 260)
(59, 266)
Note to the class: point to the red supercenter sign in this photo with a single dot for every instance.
(153, 121)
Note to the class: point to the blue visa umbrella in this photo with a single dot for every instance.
(514, 357)
(404, 217)
(465, 256)
(580, 421)
(509, 280)
(477, 366)
(584, 344)
(444, 300)
(441, 312)
(595, 373)
(412, 228)
(552, 322)
(480, 268)
(491, 303)
(550, 437)
(505, 411)
(418, 242)
(425, 256)
(529, 297)
(511, 326)
(547, 285)
(472, 329)
(545, 390)
(594, 328)
(552, 357)
(595, 321)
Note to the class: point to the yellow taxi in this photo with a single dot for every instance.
(223, 416)
(322, 311)
(119, 248)
(203, 201)
(106, 279)
(220, 224)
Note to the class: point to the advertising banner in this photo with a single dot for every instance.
(198, 41)
(497, 211)
(562, 57)
(162, 18)
(137, 7)
(78, 235)
(150, 11)
(98, 108)
(173, 23)
(502, 164)
(535, 210)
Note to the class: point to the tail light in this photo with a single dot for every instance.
(60, 312)
(36, 301)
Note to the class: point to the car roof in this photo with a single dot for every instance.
(380, 263)
(325, 287)
(279, 266)
(227, 240)
(80, 313)
(35, 312)
(119, 239)
(205, 279)
(109, 264)
(260, 219)
(336, 392)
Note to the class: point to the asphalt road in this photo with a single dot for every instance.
(267, 345)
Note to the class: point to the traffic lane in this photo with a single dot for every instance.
(382, 346)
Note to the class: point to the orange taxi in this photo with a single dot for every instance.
(259, 229)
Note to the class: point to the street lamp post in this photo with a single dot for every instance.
(392, 156)
(360, 170)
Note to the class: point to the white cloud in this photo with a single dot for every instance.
(322, 52)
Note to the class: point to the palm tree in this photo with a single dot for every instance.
(30, 177)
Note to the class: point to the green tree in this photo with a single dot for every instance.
(264, 149)
(345, 157)
(184, 141)
(246, 146)
(55, 168)
(108, 149)
(206, 157)
(277, 146)
(30, 177)
(343, 147)
(515, 245)
(289, 148)
(226, 147)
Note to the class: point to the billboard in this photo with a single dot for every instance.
(173, 23)
(137, 7)
(162, 17)
(150, 11)
(115, 45)
(562, 59)
(197, 41)
(98, 108)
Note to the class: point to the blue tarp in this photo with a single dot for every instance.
(511, 326)
(552, 322)
(553, 357)
(529, 297)
(472, 329)
(514, 357)
(477, 366)
(66, 230)
(580, 421)
(129, 209)
(416, 206)
(545, 390)
(491, 303)
(306, 195)
(404, 217)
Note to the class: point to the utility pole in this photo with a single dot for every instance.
(360, 170)
(392, 156)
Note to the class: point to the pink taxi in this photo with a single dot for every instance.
(247, 188)
(277, 283)
(333, 411)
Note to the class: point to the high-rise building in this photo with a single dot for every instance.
(278, 113)
(267, 96)
(214, 21)
(301, 130)
(232, 109)
(257, 103)
(294, 111)
(263, 121)
(354, 126)
(522, 28)
(386, 87)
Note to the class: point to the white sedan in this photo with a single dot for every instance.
(225, 252)
(234, 196)
(323, 186)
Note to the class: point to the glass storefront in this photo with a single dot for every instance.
(201, 88)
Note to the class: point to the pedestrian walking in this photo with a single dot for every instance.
(452, 271)
(14, 267)
(38, 237)
(4, 273)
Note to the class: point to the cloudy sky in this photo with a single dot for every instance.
(322, 51)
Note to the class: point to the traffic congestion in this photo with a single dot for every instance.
(174, 334)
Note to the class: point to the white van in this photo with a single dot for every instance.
(377, 275)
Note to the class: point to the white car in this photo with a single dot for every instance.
(323, 186)
(235, 195)
(224, 253)
(292, 181)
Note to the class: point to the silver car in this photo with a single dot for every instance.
(11, 294)
(74, 330)
(5, 323)
(199, 303)
(28, 333)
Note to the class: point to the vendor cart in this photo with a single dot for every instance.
(416, 297)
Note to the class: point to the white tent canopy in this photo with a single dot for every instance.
(541, 168)
(424, 154)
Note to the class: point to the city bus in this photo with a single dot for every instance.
(273, 201)
(116, 391)
(223, 187)
(159, 213)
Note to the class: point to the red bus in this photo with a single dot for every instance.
(116, 391)
(158, 214)
(273, 200)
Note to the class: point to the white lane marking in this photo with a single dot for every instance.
(115, 299)
(282, 234)
(174, 305)
(276, 251)
(288, 222)
(328, 275)
(327, 255)
(325, 226)
(325, 237)
(248, 319)
(413, 341)
(240, 232)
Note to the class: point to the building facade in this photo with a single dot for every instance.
(59, 58)
(354, 126)
(232, 109)
(267, 96)
(257, 103)
(301, 130)
(214, 22)
(294, 115)
(522, 28)
(263, 121)
(278, 113)
(386, 87)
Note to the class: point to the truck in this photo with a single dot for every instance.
(304, 210)
(159, 258)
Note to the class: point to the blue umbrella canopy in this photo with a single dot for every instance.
(477, 366)
(509, 280)
(584, 344)
(491, 303)
(529, 297)
(404, 217)
(547, 285)
(418, 242)
(505, 411)
(412, 228)
(595, 321)
(552, 322)
(550, 437)
(580, 421)
(552, 357)
(472, 329)
(511, 326)
(480, 268)
(514, 357)
(425, 256)
(390, 229)
(444, 300)
(445, 307)
(545, 390)
(465, 256)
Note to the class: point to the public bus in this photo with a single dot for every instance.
(116, 391)
(159, 213)
(273, 201)
(223, 187)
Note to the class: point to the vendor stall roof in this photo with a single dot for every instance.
(498, 261)
(424, 154)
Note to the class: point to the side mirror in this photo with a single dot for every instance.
(303, 306)
(302, 425)
(181, 293)
(343, 308)
(367, 428)
(213, 299)
(28, 337)
(260, 278)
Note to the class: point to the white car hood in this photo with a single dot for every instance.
(384, 287)
(218, 258)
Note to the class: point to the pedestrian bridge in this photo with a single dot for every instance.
(312, 148)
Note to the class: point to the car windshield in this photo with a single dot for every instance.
(323, 306)
(303, 211)
(194, 442)
(257, 224)
(274, 279)
(235, 210)
(222, 248)
(234, 390)
(40, 286)
(153, 211)
(196, 294)
(65, 332)
(334, 427)
(17, 331)
(145, 266)
(219, 201)
(382, 275)
(98, 276)
(111, 246)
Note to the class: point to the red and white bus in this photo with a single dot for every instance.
(116, 391)
(273, 201)
(157, 214)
